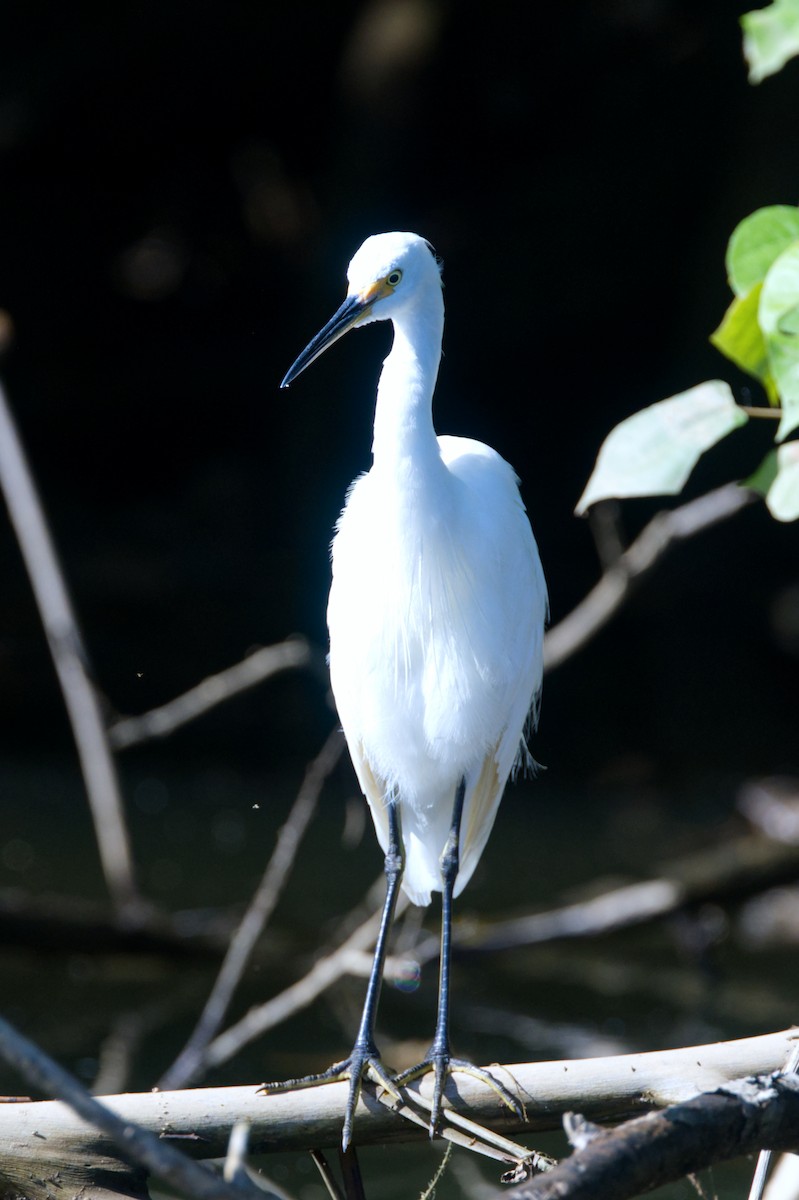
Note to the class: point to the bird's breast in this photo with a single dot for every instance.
(418, 666)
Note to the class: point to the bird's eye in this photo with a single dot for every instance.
(393, 278)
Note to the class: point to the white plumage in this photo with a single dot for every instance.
(438, 601)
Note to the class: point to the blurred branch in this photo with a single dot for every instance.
(142, 1147)
(215, 689)
(69, 657)
(76, 925)
(190, 1062)
(605, 599)
(659, 1148)
(344, 959)
(783, 1183)
(735, 870)
(604, 521)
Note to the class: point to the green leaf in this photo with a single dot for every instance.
(777, 478)
(740, 338)
(654, 451)
(771, 37)
(778, 314)
(757, 241)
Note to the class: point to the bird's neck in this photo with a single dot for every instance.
(404, 413)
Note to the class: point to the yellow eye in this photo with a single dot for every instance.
(393, 278)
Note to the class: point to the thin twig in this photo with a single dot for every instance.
(326, 1172)
(189, 1064)
(70, 659)
(215, 689)
(236, 1158)
(138, 1145)
(457, 1128)
(752, 410)
(605, 599)
(429, 1192)
(604, 521)
(351, 1175)
(733, 870)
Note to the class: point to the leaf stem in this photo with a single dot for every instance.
(759, 411)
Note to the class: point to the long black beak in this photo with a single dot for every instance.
(350, 313)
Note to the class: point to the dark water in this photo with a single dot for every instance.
(201, 836)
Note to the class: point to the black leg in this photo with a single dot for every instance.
(365, 1057)
(450, 862)
(365, 1053)
(438, 1058)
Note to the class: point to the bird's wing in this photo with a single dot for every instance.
(478, 818)
(374, 789)
(517, 600)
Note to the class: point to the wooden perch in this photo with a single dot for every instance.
(618, 1164)
(39, 1139)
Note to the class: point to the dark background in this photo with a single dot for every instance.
(182, 187)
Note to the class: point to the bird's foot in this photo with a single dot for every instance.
(363, 1063)
(440, 1064)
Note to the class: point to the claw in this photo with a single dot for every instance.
(443, 1065)
(334, 1074)
(361, 1064)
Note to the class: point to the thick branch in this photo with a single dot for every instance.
(739, 1118)
(200, 1120)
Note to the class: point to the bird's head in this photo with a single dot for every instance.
(389, 272)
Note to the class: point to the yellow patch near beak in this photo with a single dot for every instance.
(375, 291)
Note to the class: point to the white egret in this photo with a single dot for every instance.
(436, 617)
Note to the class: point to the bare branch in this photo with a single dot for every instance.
(345, 958)
(189, 1064)
(653, 1150)
(734, 870)
(70, 659)
(605, 599)
(215, 689)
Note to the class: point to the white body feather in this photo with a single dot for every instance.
(438, 601)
